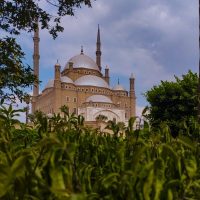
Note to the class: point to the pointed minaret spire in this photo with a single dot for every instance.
(118, 81)
(98, 49)
(98, 35)
(36, 58)
(81, 50)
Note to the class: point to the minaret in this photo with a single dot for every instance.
(57, 80)
(57, 88)
(36, 58)
(98, 49)
(107, 77)
(132, 96)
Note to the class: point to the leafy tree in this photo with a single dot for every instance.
(173, 101)
(22, 15)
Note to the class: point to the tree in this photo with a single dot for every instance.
(22, 15)
(173, 101)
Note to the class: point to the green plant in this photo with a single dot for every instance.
(69, 161)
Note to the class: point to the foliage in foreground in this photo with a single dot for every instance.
(60, 159)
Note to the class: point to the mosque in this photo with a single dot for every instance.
(84, 88)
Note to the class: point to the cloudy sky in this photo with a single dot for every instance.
(153, 39)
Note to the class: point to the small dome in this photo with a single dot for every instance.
(66, 79)
(91, 80)
(49, 84)
(118, 87)
(98, 98)
(82, 61)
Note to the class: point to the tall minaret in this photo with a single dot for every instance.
(98, 50)
(132, 96)
(36, 58)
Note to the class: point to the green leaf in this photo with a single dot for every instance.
(170, 195)
(187, 142)
(147, 188)
(110, 180)
(57, 182)
(17, 168)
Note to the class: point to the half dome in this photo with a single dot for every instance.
(82, 61)
(91, 80)
(65, 79)
(99, 98)
(49, 84)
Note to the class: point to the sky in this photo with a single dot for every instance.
(153, 39)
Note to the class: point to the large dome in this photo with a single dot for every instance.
(91, 80)
(82, 61)
(98, 98)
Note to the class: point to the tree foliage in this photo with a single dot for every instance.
(22, 15)
(173, 101)
(14, 76)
